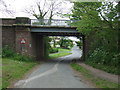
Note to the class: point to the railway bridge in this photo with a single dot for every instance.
(27, 36)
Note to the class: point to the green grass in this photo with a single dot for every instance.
(13, 70)
(99, 82)
(62, 52)
(0, 73)
(109, 69)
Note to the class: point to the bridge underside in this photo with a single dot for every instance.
(40, 33)
(55, 31)
(58, 34)
(16, 30)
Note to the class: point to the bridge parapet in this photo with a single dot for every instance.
(53, 22)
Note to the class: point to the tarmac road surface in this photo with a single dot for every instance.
(54, 74)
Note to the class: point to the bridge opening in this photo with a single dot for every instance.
(42, 42)
(44, 29)
(63, 46)
(29, 37)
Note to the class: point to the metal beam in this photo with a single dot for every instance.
(68, 30)
(57, 34)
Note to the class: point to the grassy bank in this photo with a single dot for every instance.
(99, 82)
(62, 52)
(13, 70)
(106, 68)
(0, 73)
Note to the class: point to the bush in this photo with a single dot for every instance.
(107, 61)
(53, 50)
(20, 57)
(101, 56)
(7, 52)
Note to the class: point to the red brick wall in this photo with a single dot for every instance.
(8, 36)
(12, 35)
(23, 33)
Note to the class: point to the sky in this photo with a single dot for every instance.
(74, 38)
(19, 6)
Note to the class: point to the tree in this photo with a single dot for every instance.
(97, 20)
(99, 23)
(45, 9)
(79, 43)
(65, 43)
(87, 14)
(5, 8)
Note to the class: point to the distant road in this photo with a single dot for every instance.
(55, 74)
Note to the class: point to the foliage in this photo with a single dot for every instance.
(79, 43)
(54, 39)
(65, 43)
(107, 61)
(8, 52)
(87, 14)
(99, 82)
(98, 22)
(61, 53)
(53, 50)
(20, 57)
(14, 70)
(12, 65)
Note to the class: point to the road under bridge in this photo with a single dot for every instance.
(28, 38)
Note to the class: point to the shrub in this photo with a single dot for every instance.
(22, 57)
(101, 56)
(7, 52)
(104, 60)
(53, 50)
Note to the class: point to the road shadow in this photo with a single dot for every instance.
(64, 61)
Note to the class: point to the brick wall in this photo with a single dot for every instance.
(12, 34)
(23, 32)
(8, 21)
(8, 36)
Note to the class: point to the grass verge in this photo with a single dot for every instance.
(0, 73)
(62, 52)
(99, 82)
(14, 70)
(109, 69)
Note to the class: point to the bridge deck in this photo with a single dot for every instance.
(55, 30)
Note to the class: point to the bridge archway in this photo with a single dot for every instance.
(21, 28)
(39, 33)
